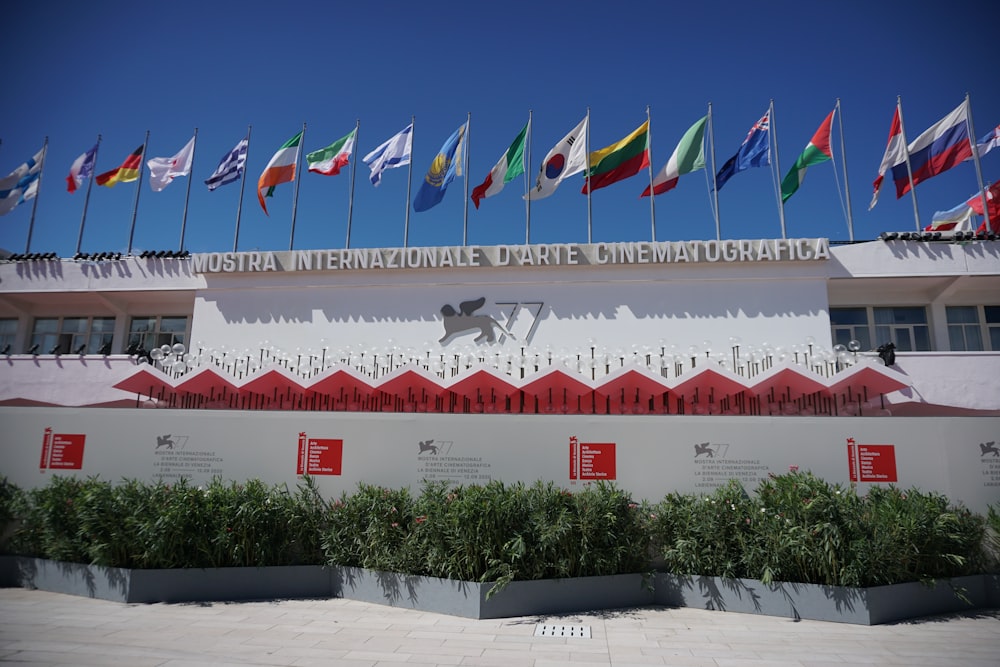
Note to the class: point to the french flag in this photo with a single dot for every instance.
(938, 149)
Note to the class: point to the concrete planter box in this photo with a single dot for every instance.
(863, 606)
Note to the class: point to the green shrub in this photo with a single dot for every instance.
(11, 502)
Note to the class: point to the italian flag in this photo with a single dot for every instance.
(510, 166)
(281, 169)
(619, 160)
(328, 161)
(816, 152)
(687, 157)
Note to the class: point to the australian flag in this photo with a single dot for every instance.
(755, 151)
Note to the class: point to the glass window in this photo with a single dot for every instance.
(8, 331)
(147, 333)
(964, 333)
(71, 335)
(849, 324)
(906, 326)
(992, 317)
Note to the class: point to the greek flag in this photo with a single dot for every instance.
(231, 167)
(393, 153)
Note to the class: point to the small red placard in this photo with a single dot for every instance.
(319, 456)
(62, 451)
(872, 463)
(592, 460)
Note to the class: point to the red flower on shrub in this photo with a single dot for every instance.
(395, 525)
(421, 519)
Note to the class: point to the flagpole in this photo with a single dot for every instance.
(243, 184)
(38, 193)
(975, 156)
(354, 171)
(715, 186)
(465, 217)
(526, 161)
(187, 196)
(590, 222)
(777, 168)
(409, 183)
(138, 188)
(847, 185)
(86, 200)
(649, 148)
(298, 179)
(906, 154)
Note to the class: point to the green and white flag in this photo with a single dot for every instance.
(328, 161)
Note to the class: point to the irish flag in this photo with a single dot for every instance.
(328, 161)
(687, 157)
(281, 169)
(816, 152)
(619, 160)
(510, 166)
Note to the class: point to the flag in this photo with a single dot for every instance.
(992, 201)
(393, 153)
(163, 170)
(943, 145)
(231, 166)
(817, 151)
(895, 152)
(987, 142)
(81, 169)
(126, 173)
(619, 161)
(957, 219)
(687, 157)
(21, 184)
(510, 166)
(446, 166)
(281, 169)
(755, 151)
(566, 158)
(329, 161)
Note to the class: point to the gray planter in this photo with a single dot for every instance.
(864, 606)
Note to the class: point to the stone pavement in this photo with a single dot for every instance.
(41, 628)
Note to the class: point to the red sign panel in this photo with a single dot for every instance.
(591, 460)
(319, 456)
(62, 451)
(871, 463)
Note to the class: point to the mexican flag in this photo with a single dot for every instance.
(510, 166)
(281, 169)
(816, 152)
(328, 161)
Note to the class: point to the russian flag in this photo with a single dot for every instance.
(938, 149)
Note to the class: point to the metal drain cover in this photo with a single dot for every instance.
(578, 631)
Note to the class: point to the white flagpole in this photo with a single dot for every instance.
(590, 223)
(298, 179)
(409, 184)
(243, 183)
(715, 186)
(86, 200)
(138, 188)
(776, 171)
(187, 196)
(354, 171)
(847, 186)
(465, 215)
(649, 149)
(38, 193)
(979, 170)
(906, 153)
(526, 161)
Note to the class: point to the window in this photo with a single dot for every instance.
(72, 335)
(906, 326)
(964, 332)
(8, 331)
(992, 314)
(149, 332)
(849, 324)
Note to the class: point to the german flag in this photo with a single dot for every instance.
(128, 172)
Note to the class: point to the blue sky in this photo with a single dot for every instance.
(122, 68)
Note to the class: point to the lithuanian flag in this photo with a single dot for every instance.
(619, 160)
(128, 172)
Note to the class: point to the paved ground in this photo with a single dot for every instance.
(51, 629)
